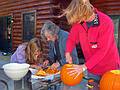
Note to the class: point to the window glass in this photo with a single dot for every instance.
(28, 25)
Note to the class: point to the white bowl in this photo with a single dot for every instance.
(16, 71)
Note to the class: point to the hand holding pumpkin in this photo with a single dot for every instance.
(67, 78)
(76, 70)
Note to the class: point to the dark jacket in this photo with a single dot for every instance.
(62, 37)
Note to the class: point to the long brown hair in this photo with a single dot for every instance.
(33, 45)
(78, 11)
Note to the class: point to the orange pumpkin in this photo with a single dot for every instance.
(66, 78)
(110, 80)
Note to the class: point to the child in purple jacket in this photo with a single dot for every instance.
(29, 52)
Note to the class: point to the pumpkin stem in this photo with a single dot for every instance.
(115, 71)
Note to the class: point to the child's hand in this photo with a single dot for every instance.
(35, 66)
(46, 62)
(55, 65)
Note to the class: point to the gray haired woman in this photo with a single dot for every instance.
(57, 44)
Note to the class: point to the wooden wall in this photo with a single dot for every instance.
(42, 8)
(45, 9)
(110, 7)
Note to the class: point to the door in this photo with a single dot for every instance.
(5, 34)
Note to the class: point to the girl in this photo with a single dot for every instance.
(29, 52)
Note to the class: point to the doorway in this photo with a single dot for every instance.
(5, 34)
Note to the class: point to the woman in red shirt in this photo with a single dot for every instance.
(95, 32)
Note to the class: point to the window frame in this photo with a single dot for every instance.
(27, 12)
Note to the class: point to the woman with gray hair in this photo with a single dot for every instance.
(57, 44)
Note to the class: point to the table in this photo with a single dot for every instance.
(57, 84)
(40, 84)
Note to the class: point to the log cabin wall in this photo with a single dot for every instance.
(44, 10)
(16, 8)
(110, 7)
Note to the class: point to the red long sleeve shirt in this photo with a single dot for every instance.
(98, 44)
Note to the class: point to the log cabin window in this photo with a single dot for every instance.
(28, 25)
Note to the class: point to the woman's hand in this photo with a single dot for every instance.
(55, 65)
(68, 58)
(76, 70)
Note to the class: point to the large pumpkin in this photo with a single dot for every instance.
(110, 80)
(66, 78)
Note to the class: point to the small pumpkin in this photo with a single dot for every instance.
(110, 80)
(67, 79)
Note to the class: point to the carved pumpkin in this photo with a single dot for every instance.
(66, 78)
(41, 73)
(110, 80)
(51, 71)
